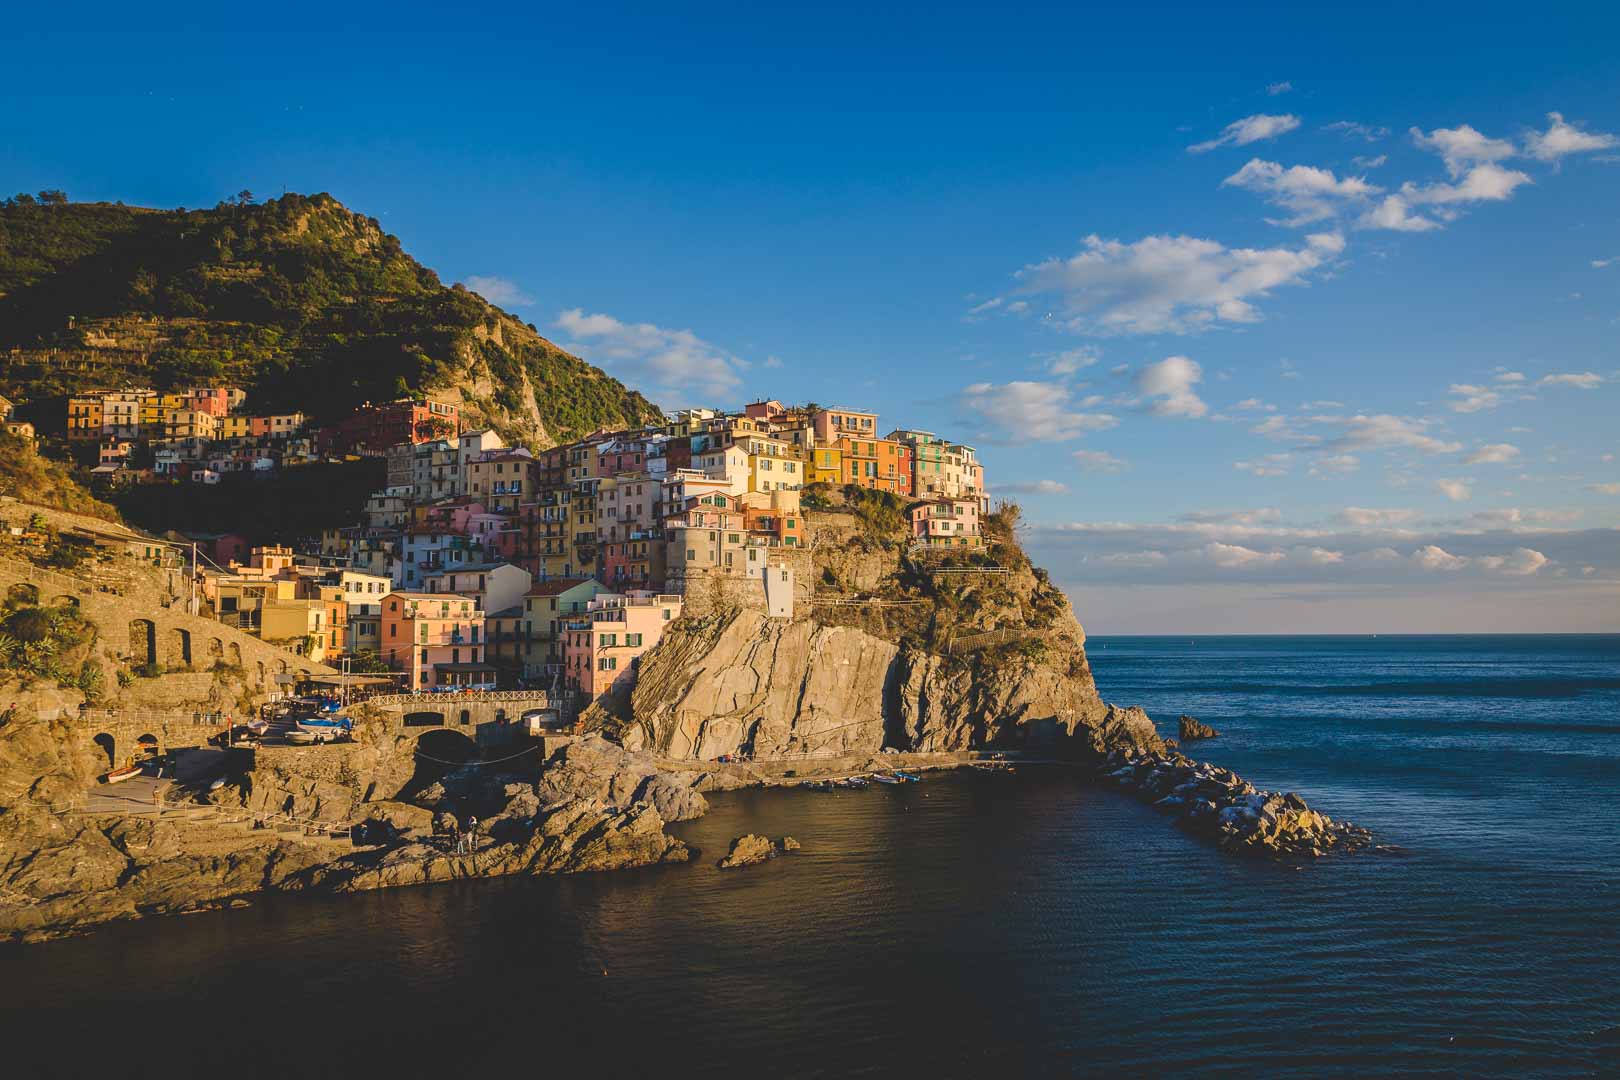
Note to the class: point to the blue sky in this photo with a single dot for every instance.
(1273, 320)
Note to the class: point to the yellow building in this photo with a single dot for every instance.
(235, 427)
(158, 411)
(84, 417)
(827, 465)
(775, 471)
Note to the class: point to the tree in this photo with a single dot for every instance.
(244, 197)
(53, 197)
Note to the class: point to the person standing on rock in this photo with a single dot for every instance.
(472, 835)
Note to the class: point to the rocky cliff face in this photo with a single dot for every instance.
(744, 684)
(919, 654)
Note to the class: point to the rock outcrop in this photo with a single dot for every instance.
(593, 768)
(1190, 729)
(1219, 805)
(746, 685)
(752, 849)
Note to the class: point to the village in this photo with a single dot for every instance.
(483, 566)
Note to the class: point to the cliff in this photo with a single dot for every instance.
(299, 300)
(897, 649)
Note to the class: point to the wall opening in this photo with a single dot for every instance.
(146, 746)
(109, 746)
(142, 642)
(179, 650)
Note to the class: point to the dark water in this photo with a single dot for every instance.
(978, 925)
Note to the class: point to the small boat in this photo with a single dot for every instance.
(300, 737)
(880, 778)
(910, 778)
(326, 729)
(118, 776)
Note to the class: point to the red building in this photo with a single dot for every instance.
(374, 428)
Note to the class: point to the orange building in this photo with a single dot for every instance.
(436, 639)
(879, 464)
(84, 417)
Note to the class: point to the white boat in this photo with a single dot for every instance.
(118, 776)
(303, 738)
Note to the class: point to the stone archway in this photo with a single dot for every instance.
(146, 746)
(424, 719)
(447, 747)
(65, 600)
(234, 655)
(465, 718)
(178, 653)
(263, 675)
(142, 642)
(109, 746)
(22, 594)
(216, 651)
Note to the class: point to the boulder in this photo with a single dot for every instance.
(1191, 729)
(748, 850)
(593, 768)
(790, 844)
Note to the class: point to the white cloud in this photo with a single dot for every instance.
(1099, 461)
(1599, 264)
(1434, 557)
(1366, 517)
(1308, 192)
(1510, 376)
(1248, 130)
(1493, 454)
(1070, 361)
(498, 291)
(1279, 88)
(1482, 183)
(1231, 556)
(1384, 432)
(1169, 384)
(1323, 557)
(1267, 465)
(1253, 403)
(1037, 487)
(1472, 398)
(1335, 465)
(1522, 562)
(1170, 284)
(1463, 147)
(1455, 490)
(1584, 380)
(1262, 516)
(1352, 130)
(1561, 139)
(673, 365)
(1033, 411)
(1395, 213)
(1604, 489)
(1362, 162)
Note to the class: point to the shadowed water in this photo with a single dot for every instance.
(973, 924)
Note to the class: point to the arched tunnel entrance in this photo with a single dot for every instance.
(109, 746)
(439, 752)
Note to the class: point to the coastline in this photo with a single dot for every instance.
(594, 807)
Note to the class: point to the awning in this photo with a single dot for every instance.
(469, 668)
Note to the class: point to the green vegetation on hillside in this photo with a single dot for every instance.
(26, 476)
(290, 505)
(302, 302)
(47, 642)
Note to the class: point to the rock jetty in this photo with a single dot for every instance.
(752, 848)
(1219, 805)
(1190, 729)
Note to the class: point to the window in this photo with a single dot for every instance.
(608, 641)
(632, 640)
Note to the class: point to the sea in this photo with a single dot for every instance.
(1032, 924)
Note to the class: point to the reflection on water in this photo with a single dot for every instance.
(966, 925)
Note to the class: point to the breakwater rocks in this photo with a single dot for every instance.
(1190, 729)
(1221, 806)
(751, 849)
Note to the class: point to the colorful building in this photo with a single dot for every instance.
(947, 523)
(601, 649)
(830, 425)
(436, 640)
(547, 610)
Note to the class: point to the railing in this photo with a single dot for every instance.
(528, 696)
(152, 716)
(968, 642)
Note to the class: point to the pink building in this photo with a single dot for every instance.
(436, 639)
(947, 523)
(600, 651)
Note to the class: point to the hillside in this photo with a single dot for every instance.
(300, 301)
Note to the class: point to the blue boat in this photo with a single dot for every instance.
(880, 778)
(326, 729)
(910, 778)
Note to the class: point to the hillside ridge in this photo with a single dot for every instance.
(301, 301)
